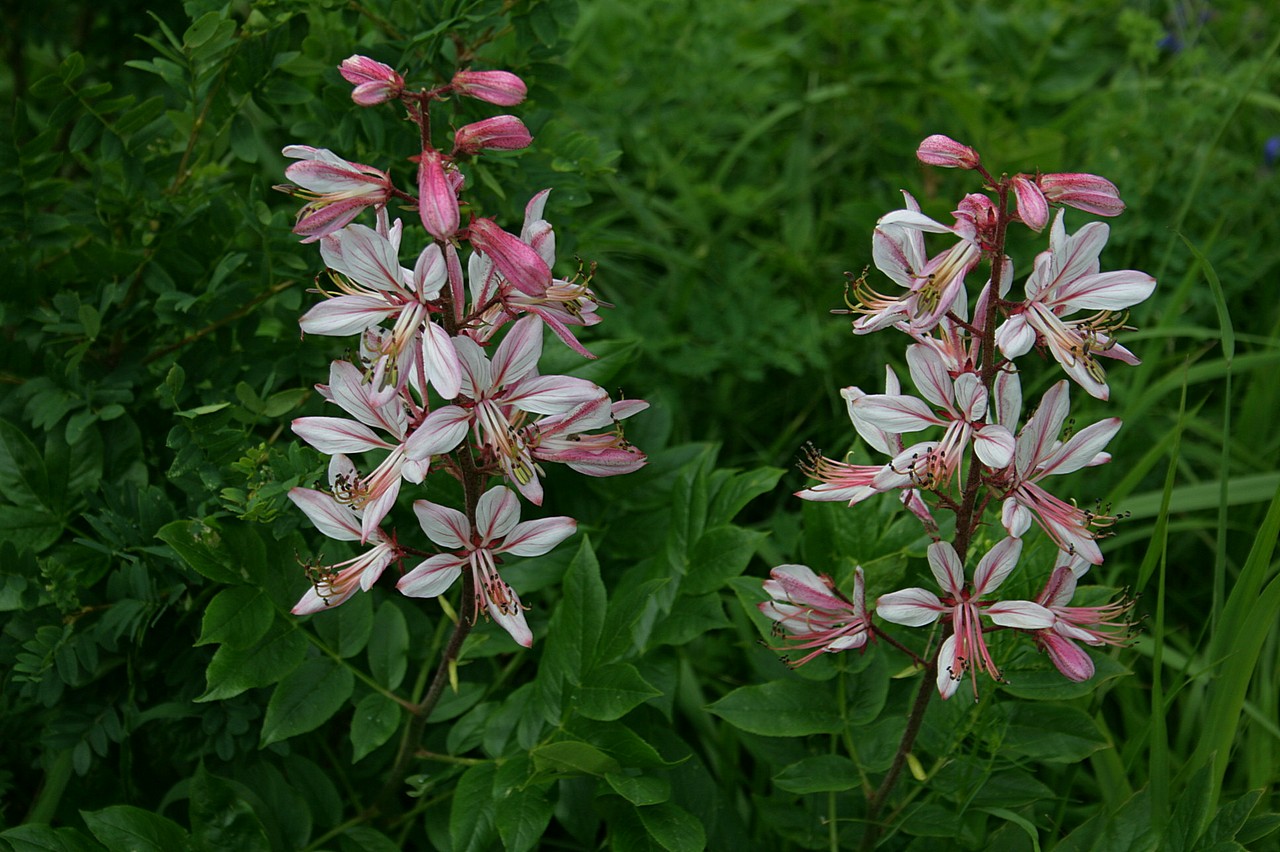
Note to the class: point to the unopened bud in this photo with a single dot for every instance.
(939, 150)
(518, 262)
(1089, 193)
(374, 82)
(1033, 209)
(437, 201)
(496, 87)
(503, 131)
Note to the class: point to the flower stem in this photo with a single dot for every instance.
(473, 481)
(871, 834)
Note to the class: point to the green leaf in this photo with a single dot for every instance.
(573, 757)
(739, 490)
(29, 528)
(471, 819)
(232, 671)
(720, 554)
(306, 699)
(199, 544)
(124, 828)
(1191, 812)
(364, 839)
(202, 30)
(34, 837)
(1048, 684)
(1230, 818)
(23, 478)
(388, 650)
(824, 773)
(690, 617)
(640, 789)
(782, 708)
(237, 617)
(578, 620)
(522, 816)
(1054, 733)
(221, 820)
(346, 629)
(375, 720)
(674, 828)
(611, 691)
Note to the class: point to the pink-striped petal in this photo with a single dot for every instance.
(534, 538)
(445, 526)
(996, 565)
(332, 518)
(518, 353)
(432, 577)
(440, 433)
(497, 513)
(337, 435)
(343, 315)
(1023, 615)
(947, 568)
(911, 607)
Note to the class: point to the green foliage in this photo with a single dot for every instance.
(724, 163)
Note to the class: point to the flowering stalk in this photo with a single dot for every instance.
(446, 378)
(961, 357)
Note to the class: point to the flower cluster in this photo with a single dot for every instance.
(446, 376)
(978, 451)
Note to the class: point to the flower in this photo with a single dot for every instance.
(497, 532)
(501, 393)
(560, 438)
(518, 261)
(1066, 280)
(1093, 625)
(1033, 208)
(410, 453)
(337, 190)
(375, 83)
(933, 284)
(374, 287)
(1038, 454)
(334, 584)
(564, 303)
(965, 648)
(963, 404)
(810, 609)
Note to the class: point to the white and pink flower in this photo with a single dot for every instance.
(497, 532)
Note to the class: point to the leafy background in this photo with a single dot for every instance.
(724, 164)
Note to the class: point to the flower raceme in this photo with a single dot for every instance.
(446, 376)
(962, 360)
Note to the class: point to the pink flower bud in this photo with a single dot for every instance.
(374, 82)
(1089, 193)
(1033, 209)
(939, 150)
(518, 262)
(496, 87)
(976, 219)
(502, 131)
(437, 201)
